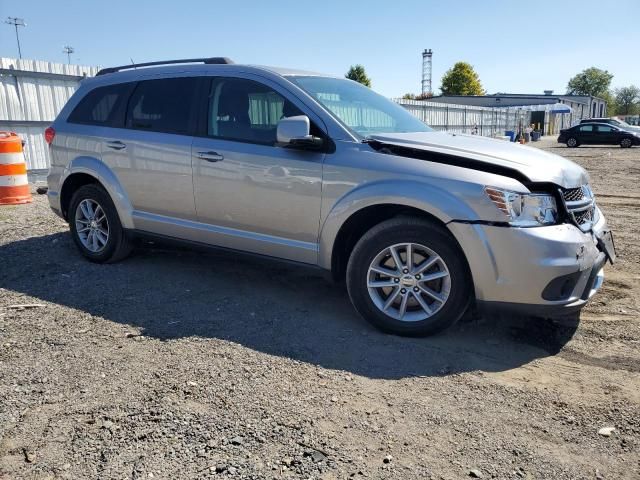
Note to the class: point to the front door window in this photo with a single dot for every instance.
(246, 111)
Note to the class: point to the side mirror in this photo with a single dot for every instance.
(294, 131)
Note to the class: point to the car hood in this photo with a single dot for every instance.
(489, 154)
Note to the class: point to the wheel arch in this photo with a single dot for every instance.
(362, 208)
(86, 170)
(363, 220)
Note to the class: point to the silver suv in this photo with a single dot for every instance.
(323, 171)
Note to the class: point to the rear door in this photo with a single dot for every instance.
(151, 155)
(587, 134)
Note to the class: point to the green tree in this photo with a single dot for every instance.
(612, 107)
(462, 79)
(627, 100)
(592, 81)
(357, 73)
(419, 96)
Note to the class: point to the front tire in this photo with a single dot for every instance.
(572, 142)
(95, 225)
(407, 276)
(626, 143)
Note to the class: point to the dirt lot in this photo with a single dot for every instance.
(177, 364)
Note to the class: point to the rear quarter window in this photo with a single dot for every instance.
(101, 106)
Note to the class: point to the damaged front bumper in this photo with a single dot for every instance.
(547, 271)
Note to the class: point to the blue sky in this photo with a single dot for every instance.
(517, 47)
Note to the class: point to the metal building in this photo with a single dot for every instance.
(32, 92)
(580, 106)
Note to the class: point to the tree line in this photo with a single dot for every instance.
(462, 79)
(596, 82)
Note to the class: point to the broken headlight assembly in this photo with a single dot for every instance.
(524, 209)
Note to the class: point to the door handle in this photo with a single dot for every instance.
(116, 145)
(210, 156)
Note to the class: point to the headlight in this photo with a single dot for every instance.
(524, 209)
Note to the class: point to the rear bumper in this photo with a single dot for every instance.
(545, 271)
(53, 193)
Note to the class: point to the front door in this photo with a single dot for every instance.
(250, 193)
(607, 135)
(537, 118)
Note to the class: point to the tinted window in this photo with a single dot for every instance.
(162, 105)
(245, 110)
(586, 128)
(605, 128)
(100, 106)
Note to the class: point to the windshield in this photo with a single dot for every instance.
(358, 107)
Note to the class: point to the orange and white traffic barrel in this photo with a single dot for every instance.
(14, 186)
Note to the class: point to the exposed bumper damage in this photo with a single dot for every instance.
(546, 271)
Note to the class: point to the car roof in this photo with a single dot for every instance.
(581, 124)
(600, 119)
(132, 73)
(292, 72)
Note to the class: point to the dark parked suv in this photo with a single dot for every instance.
(613, 121)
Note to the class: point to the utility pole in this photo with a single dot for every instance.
(68, 50)
(16, 22)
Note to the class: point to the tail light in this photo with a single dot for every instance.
(49, 135)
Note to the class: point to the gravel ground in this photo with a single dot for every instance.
(181, 364)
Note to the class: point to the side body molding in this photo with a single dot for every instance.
(429, 198)
(96, 168)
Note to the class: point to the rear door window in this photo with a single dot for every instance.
(102, 106)
(163, 105)
(605, 129)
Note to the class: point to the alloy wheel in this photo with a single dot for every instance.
(408, 282)
(92, 226)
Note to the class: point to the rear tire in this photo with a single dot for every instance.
(95, 225)
(626, 143)
(421, 314)
(572, 142)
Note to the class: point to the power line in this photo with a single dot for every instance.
(16, 22)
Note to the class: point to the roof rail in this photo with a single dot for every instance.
(208, 61)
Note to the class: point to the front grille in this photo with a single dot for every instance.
(584, 217)
(573, 194)
(581, 206)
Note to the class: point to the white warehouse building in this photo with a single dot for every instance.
(32, 92)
